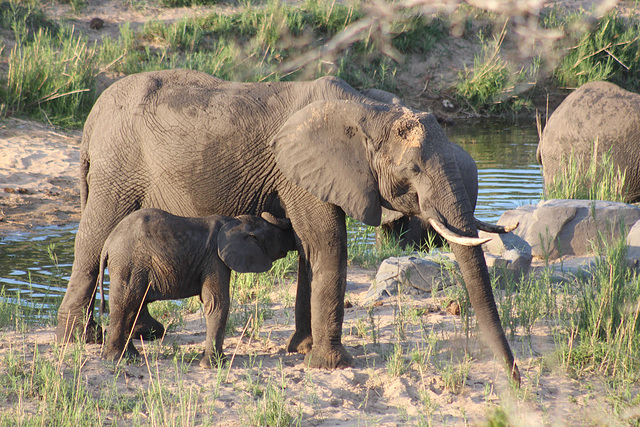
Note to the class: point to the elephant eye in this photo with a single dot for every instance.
(411, 171)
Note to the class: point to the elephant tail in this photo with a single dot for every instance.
(539, 154)
(84, 184)
(104, 256)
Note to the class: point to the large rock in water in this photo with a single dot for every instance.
(556, 227)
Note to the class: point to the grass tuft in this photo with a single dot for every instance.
(604, 333)
(51, 77)
(594, 178)
(492, 85)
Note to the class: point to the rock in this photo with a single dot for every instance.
(633, 246)
(96, 23)
(409, 272)
(555, 228)
(501, 243)
(507, 252)
(453, 308)
(568, 269)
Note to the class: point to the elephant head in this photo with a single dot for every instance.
(248, 244)
(365, 157)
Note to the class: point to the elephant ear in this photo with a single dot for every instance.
(324, 150)
(389, 216)
(240, 250)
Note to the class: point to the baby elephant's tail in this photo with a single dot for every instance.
(104, 256)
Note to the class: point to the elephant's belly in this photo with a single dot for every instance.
(160, 291)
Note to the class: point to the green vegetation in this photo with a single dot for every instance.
(611, 52)
(600, 179)
(52, 68)
(493, 84)
(604, 328)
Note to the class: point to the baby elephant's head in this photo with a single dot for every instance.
(250, 244)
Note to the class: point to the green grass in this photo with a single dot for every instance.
(362, 248)
(604, 329)
(611, 52)
(494, 84)
(593, 178)
(51, 77)
(52, 68)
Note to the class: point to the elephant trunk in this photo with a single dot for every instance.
(478, 284)
(451, 206)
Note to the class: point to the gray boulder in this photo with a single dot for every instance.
(633, 246)
(507, 252)
(411, 274)
(555, 228)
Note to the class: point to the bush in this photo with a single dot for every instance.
(610, 52)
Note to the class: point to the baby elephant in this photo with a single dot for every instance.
(153, 255)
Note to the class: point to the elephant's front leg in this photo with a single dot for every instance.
(323, 237)
(216, 301)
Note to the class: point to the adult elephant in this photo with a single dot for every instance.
(599, 113)
(194, 145)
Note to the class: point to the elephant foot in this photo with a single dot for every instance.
(334, 357)
(115, 354)
(148, 329)
(213, 360)
(71, 329)
(300, 342)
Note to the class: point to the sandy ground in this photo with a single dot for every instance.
(39, 169)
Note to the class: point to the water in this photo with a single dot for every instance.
(35, 266)
(508, 173)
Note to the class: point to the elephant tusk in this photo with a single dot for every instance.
(455, 238)
(491, 228)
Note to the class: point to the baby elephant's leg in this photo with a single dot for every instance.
(215, 299)
(124, 307)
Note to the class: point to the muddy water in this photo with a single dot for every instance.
(35, 266)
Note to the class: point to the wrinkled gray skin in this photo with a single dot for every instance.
(195, 145)
(598, 110)
(153, 255)
(410, 231)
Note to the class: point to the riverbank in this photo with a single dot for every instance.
(468, 63)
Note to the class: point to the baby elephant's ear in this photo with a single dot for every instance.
(241, 250)
(281, 223)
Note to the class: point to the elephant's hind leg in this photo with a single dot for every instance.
(301, 340)
(147, 327)
(75, 315)
(125, 306)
